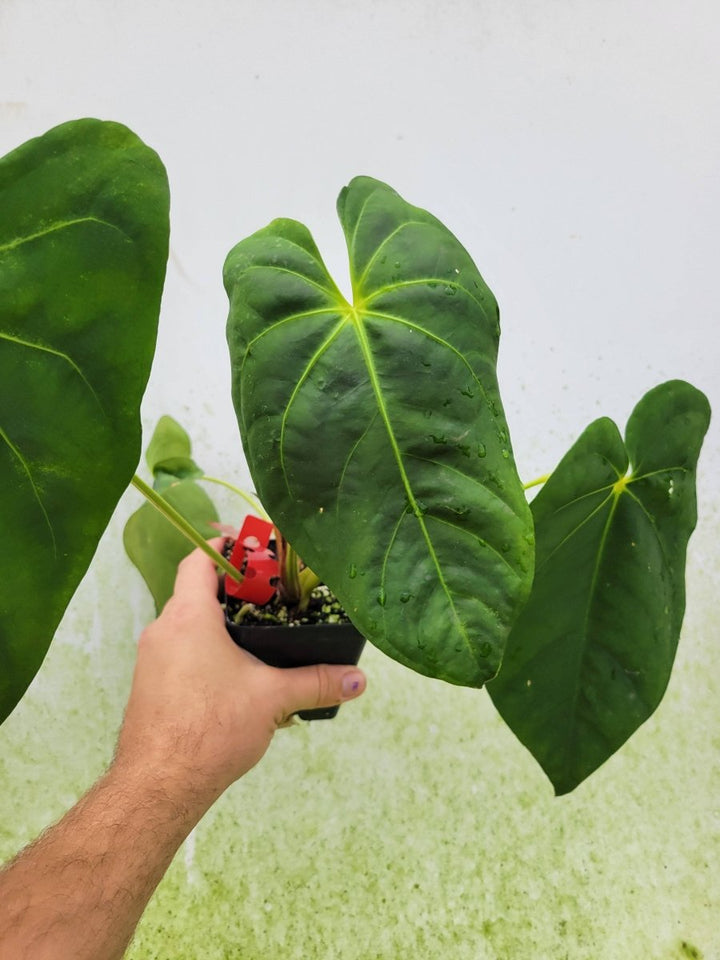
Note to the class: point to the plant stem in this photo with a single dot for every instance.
(308, 581)
(289, 586)
(187, 529)
(538, 480)
(252, 501)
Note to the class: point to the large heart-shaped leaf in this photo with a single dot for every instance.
(590, 656)
(154, 545)
(374, 430)
(83, 247)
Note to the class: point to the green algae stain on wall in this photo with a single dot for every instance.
(413, 825)
(689, 951)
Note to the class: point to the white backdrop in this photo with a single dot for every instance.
(574, 148)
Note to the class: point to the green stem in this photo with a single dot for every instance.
(289, 586)
(252, 501)
(538, 480)
(308, 581)
(187, 529)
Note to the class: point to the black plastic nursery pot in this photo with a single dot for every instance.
(279, 645)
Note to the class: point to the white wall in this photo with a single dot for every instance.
(574, 147)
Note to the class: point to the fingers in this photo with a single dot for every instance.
(305, 688)
(197, 576)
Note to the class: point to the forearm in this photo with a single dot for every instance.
(79, 891)
(201, 713)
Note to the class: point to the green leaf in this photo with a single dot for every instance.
(83, 247)
(168, 454)
(374, 431)
(590, 655)
(156, 547)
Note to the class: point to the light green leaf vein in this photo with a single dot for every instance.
(325, 311)
(303, 377)
(348, 459)
(474, 480)
(60, 225)
(293, 273)
(36, 493)
(474, 536)
(431, 336)
(651, 524)
(440, 281)
(56, 353)
(397, 455)
(575, 530)
(386, 555)
(384, 242)
(358, 221)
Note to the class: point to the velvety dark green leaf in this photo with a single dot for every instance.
(590, 656)
(83, 247)
(374, 430)
(156, 547)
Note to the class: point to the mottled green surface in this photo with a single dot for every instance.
(414, 825)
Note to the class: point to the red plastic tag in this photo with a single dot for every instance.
(261, 566)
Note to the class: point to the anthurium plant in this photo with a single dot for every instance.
(569, 607)
(267, 564)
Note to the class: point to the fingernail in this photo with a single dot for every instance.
(353, 684)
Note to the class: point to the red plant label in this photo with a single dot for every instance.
(260, 564)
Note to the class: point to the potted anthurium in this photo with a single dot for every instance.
(276, 589)
(375, 435)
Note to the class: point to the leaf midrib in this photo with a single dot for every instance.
(618, 490)
(355, 316)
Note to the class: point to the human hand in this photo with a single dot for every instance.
(202, 711)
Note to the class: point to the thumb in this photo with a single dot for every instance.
(322, 685)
